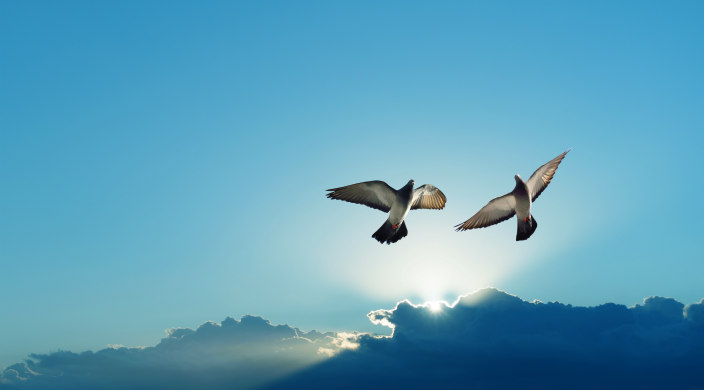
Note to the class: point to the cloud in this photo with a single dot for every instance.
(488, 339)
(695, 313)
(245, 353)
(491, 339)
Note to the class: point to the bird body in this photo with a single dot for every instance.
(402, 205)
(517, 202)
(522, 196)
(379, 195)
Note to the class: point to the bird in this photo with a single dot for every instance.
(379, 195)
(517, 202)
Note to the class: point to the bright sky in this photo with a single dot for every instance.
(165, 163)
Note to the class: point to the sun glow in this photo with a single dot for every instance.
(440, 267)
(435, 306)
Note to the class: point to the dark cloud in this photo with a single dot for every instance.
(246, 353)
(695, 314)
(491, 339)
(488, 339)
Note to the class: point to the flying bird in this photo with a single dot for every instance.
(517, 202)
(379, 195)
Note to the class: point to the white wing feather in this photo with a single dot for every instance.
(428, 196)
(540, 179)
(497, 210)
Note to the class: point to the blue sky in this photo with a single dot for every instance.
(165, 163)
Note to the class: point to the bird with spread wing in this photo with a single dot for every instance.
(379, 195)
(517, 202)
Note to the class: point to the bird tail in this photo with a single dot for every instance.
(526, 229)
(401, 232)
(387, 234)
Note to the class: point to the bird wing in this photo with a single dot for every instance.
(428, 196)
(497, 210)
(540, 179)
(375, 194)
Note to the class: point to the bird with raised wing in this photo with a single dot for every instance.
(517, 202)
(379, 195)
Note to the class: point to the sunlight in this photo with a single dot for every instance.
(435, 306)
(440, 266)
(426, 272)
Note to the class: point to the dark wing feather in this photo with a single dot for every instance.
(375, 194)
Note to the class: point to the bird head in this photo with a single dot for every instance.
(518, 179)
(411, 182)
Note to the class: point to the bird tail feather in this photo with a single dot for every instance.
(387, 234)
(401, 232)
(526, 229)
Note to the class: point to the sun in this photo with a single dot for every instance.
(435, 306)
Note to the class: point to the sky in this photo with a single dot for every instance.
(165, 163)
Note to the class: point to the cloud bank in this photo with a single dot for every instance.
(247, 353)
(488, 339)
(491, 339)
